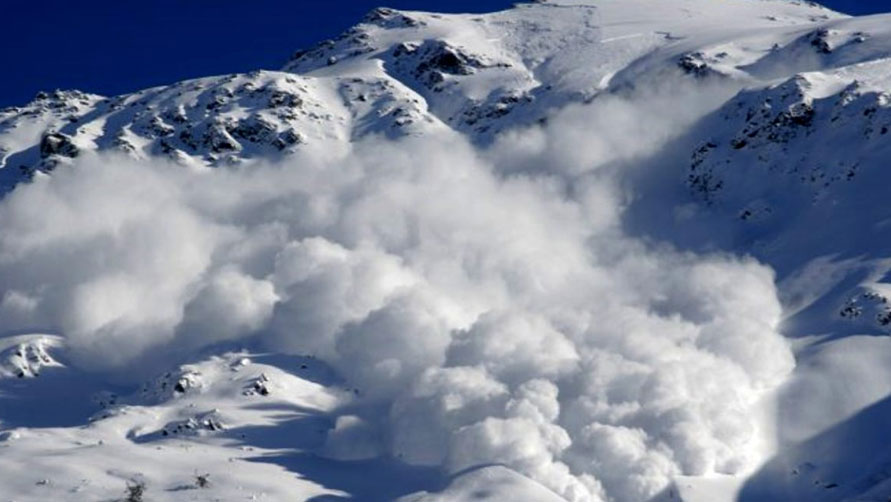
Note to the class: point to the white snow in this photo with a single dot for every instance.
(583, 250)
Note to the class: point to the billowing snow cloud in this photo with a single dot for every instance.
(488, 299)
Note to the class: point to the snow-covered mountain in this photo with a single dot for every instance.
(400, 73)
(583, 250)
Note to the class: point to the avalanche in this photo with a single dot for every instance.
(581, 250)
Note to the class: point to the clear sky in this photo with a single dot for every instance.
(115, 46)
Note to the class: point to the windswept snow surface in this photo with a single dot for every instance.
(592, 250)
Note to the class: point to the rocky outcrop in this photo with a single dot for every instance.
(171, 385)
(55, 143)
(431, 62)
(785, 130)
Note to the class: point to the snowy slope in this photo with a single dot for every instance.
(396, 73)
(792, 170)
(444, 257)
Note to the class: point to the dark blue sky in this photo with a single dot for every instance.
(116, 46)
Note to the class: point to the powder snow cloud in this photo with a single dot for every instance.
(489, 299)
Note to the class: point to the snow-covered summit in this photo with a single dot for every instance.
(399, 73)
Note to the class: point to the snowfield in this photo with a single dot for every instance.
(579, 250)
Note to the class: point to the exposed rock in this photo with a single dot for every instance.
(200, 424)
(254, 129)
(27, 359)
(55, 143)
(431, 61)
(820, 41)
(171, 385)
(260, 386)
(218, 140)
(391, 18)
(700, 65)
